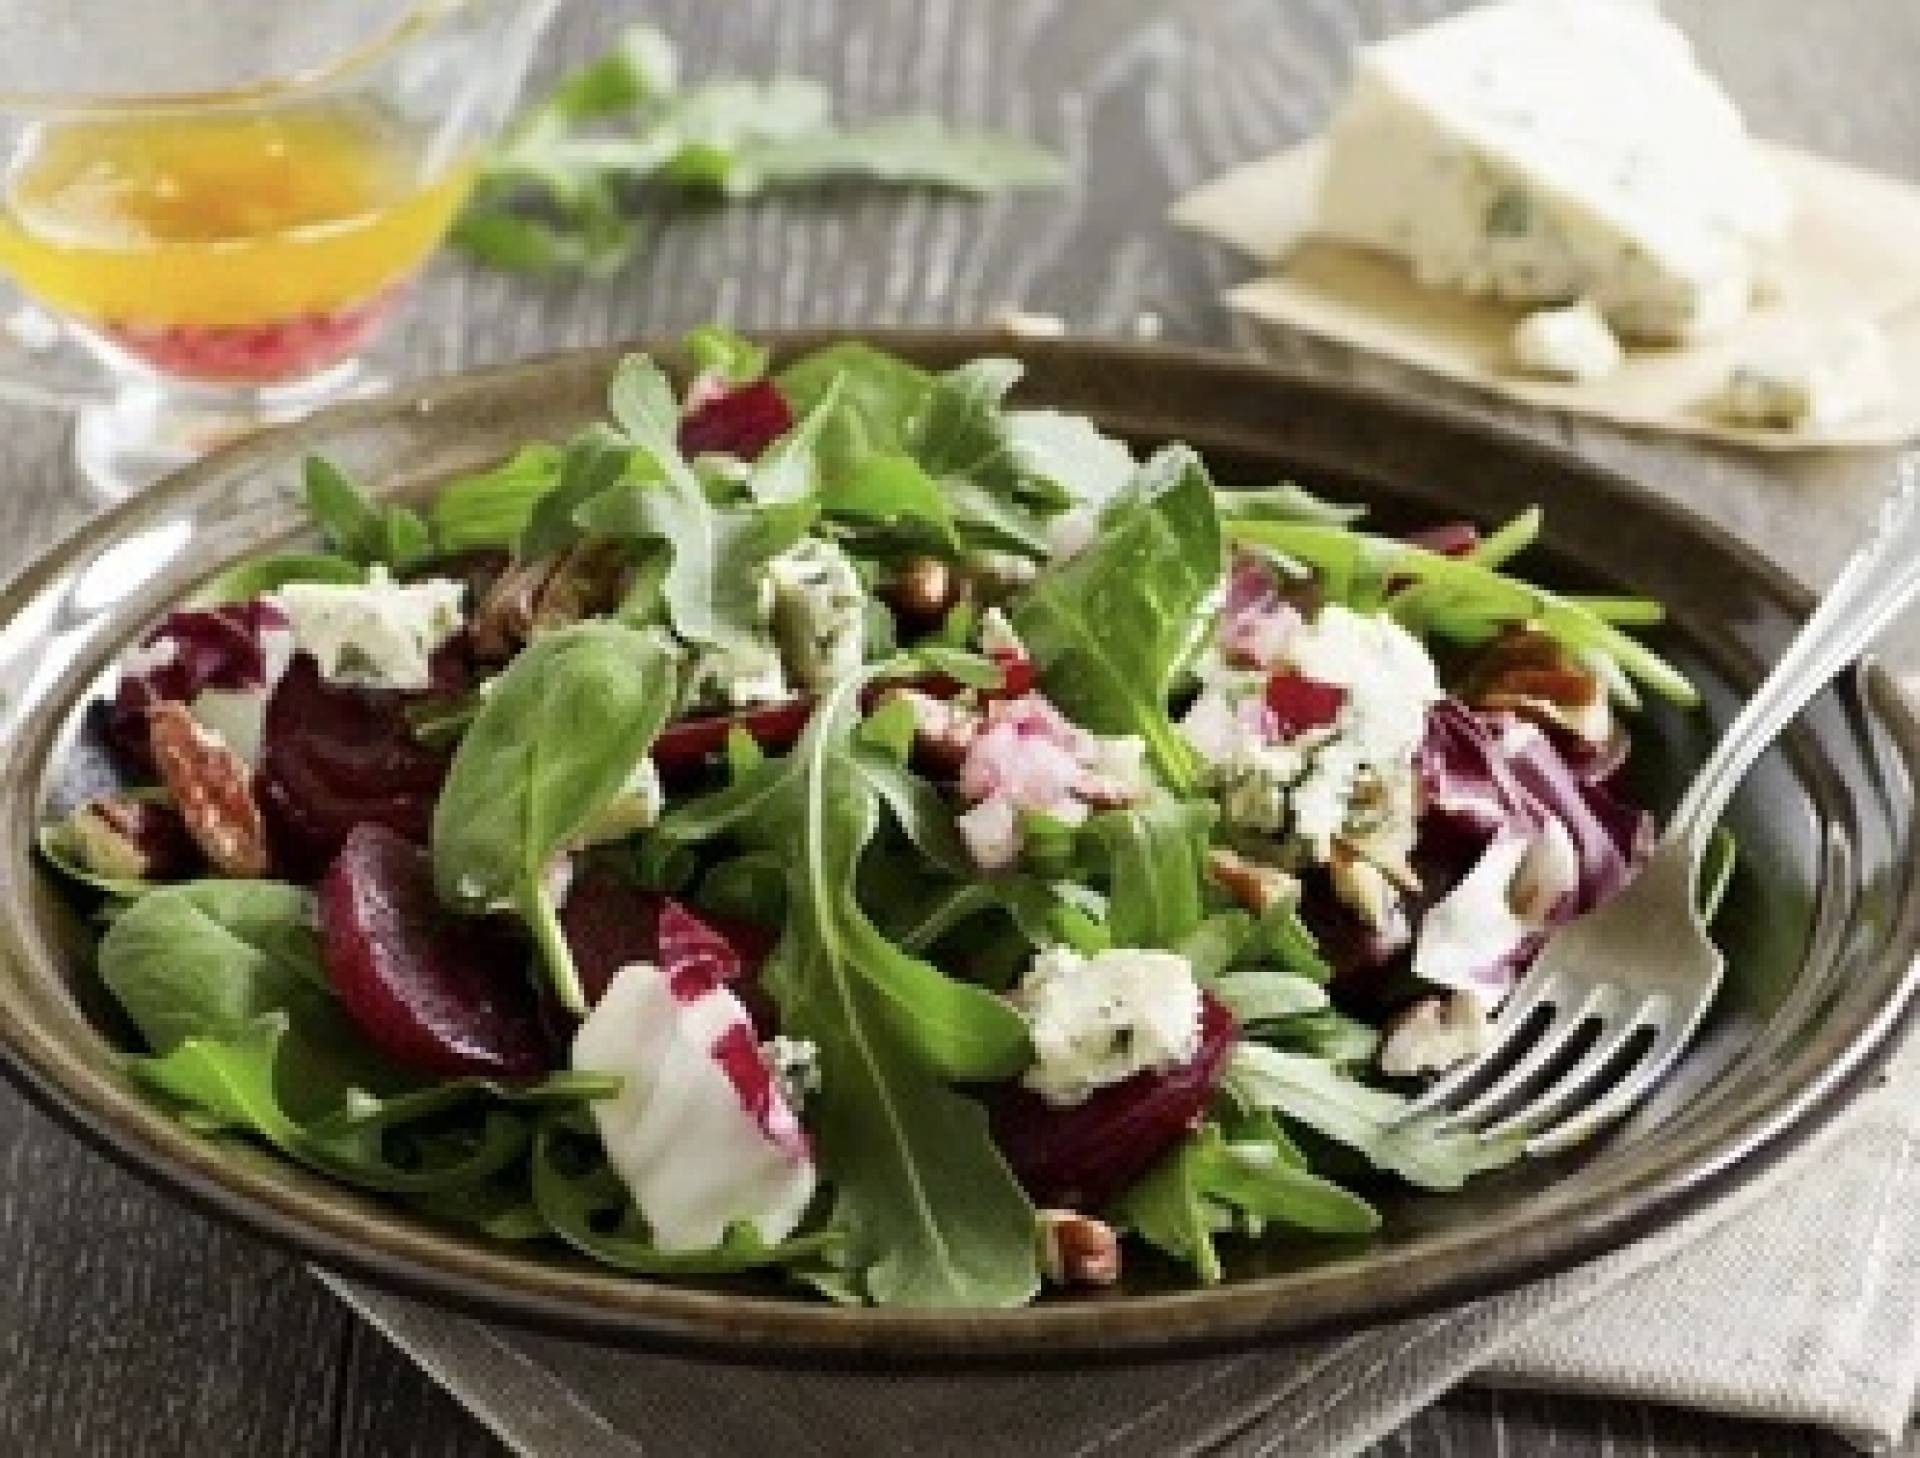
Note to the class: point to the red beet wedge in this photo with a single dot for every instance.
(610, 923)
(740, 420)
(439, 994)
(333, 757)
(1085, 1155)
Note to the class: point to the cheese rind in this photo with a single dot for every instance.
(1541, 151)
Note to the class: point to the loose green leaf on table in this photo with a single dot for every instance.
(555, 195)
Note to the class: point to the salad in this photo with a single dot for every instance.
(845, 823)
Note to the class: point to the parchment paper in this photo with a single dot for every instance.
(1854, 250)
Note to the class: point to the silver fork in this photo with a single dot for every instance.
(1641, 967)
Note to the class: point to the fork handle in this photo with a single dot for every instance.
(1878, 580)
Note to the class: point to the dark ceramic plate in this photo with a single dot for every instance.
(1820, 927)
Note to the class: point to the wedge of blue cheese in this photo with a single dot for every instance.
(1545, 151)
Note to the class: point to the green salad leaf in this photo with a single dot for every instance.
(1154, 857)
(493, 508)
(253, 577)
(932, 1215)
(359, 529)
(1111, 628)
(594, 461)
(1211, 1184)
(713, 585)
(560, 734)
(1371, 1121)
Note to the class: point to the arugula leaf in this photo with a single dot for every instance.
(594, 461)
(356, 527)
(557, 738)
(1457, 598)
(919, 150)
(1423, 1151)
(1260, 995)
(257, 576)
(584, 1202)
(1155, 857)
(1197, 1191)
(892, 491)
(933, 1216)
(1110, 629)
(492, 508)
(1285, 502)
(735, 137)
(713, 586)
(400, 1145)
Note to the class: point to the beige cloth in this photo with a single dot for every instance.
(1793, 1301)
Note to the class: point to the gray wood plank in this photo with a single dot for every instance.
(131, 1326)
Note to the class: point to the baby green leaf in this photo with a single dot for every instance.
(1369, 1120)
(492, 508)
(1111, 628)
(594, 461)
(356, 527)
(256, 576)
(1154, 857)
(559, 735)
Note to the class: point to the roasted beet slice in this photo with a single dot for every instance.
(1300, 704)
(740, 420)
(610, 922)
(333, 757)
(687, 746)
(1087, 1154)
(439, 994)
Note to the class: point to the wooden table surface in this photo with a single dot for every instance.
(129, 1325)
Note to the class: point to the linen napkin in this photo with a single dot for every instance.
(1792, 1301)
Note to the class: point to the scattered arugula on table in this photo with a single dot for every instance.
(554, 194)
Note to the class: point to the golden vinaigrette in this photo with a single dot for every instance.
(255, 246)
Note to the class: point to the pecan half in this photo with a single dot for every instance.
(1078, 1250)
(1525, 672)
(924, 591)
(542, 593)
(1433, 1035)
(212, 788)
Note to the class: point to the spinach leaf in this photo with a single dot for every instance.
(584, 1202)
(1111, 628)
(786, 470)
(358, 528)
(1067, 456)
(713, 587)
(557, 738)
(719, 351)
(1423, 1151)
(889, 490)
(1210, 1183)
(880, 398)
(492, 508)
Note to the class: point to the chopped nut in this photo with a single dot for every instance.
(1259, 888)
(586, 581)
(123, 839)
(924, 590)
(943, 731)
(1525, 672)
(1078, 1250)
(504, 619)
(1433, 1035)
(213, 789)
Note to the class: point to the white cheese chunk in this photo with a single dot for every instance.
(1541, 151)
(819, 613)
(1827, 379)
(376, 634)
(1098, 1020)
(701, 1132)
(1572, 342)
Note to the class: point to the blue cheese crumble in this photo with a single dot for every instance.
(1098, 1020)
(377, 634)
